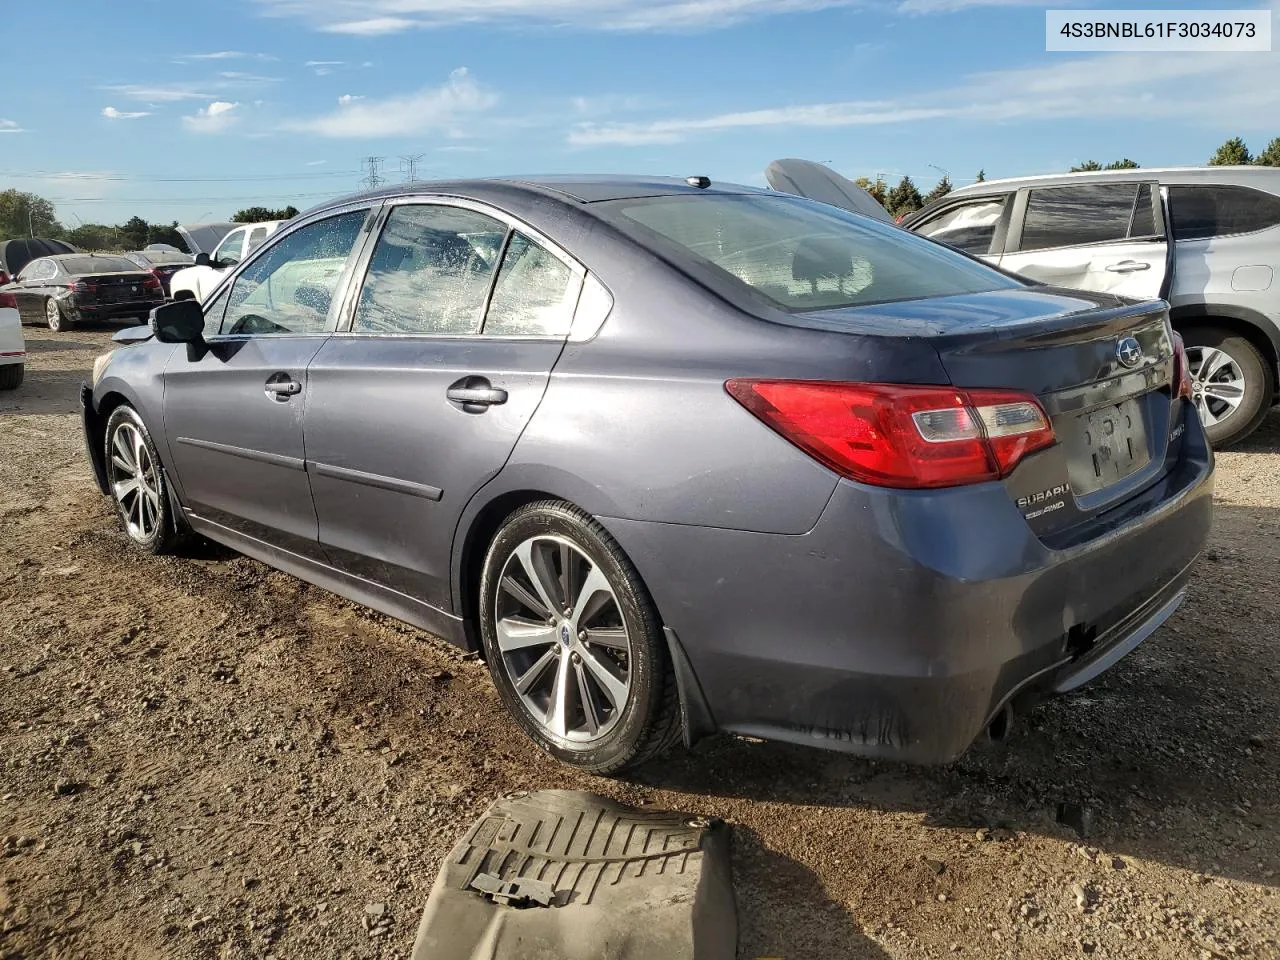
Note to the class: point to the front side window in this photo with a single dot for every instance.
(969, 227)
(798, 254)
(231, 249)
(290, 288)
(1201, 212)
(430, 272)
(535, 294)
(1081, 214)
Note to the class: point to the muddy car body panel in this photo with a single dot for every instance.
(804, 595)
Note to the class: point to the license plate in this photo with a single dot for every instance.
(1113, 444)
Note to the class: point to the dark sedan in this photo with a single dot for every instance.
(72, 288)
(161, 264)
(678, 457)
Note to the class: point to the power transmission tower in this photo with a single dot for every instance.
(409, 167)
(375, 178)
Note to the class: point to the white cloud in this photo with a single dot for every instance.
(215, 118)
(437, 109)
(111, 113)
(378, 17)
(1225, 90)
(167, 93)
(316, 163)
(324, 63)
(10, 126)
(252, 78)
(348, 98)
(226, 55)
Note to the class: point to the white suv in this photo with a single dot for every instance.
(199, 281)
(13, 349)
(1207, 239)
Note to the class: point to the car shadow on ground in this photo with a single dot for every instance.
(45, 393)
(783, 910)
(51, 346)
(1173, 756)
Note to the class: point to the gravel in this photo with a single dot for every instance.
(203, 758)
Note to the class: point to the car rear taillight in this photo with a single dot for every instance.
(152, 282)
(5, 278)
(81, 287)
(1181, 369)
(8, 300)
(901, 436)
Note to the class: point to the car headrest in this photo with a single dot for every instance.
(821, 258)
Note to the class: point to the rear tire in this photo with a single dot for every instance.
(138, 484)
(54, 316)
(11, 376)
(1232, 388)
(561, 672)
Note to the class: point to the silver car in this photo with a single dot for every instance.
(1207, 239)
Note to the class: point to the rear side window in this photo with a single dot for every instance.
(535, 294)
(430, 272)
(798, 254)
(970, 227)
(1080, 214)
(1200, 212)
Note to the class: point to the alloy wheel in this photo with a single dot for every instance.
(53, 314)
(1217, 383)
(563, 642)
(135, 482)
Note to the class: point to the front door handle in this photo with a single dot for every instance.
(281, 387)
(1128, 266)
(476, 394)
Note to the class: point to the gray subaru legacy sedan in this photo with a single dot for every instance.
(677, 457)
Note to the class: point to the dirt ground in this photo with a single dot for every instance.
(203, 758)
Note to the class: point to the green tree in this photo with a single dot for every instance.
(27, 215)
(1087, 167)
(1270, 157)
(169, 235)
(903, 199)
(135, 233)
(1230, 153)
(877, 188)
(262, 214)
(982, 175)
(938, 192)
(93, 236)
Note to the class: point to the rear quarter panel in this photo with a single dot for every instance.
(12, 345)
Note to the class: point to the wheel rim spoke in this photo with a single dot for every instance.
(526, 680)
(516, 634)
(541, 576)
(590, 708)
(125, 487)
(615, 638)
(558, 709)
(615, 689)
(124, 449)
(592, 597)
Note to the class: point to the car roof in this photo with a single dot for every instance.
(1267, 177)
(569, 188)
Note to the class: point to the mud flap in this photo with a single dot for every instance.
(563, 875)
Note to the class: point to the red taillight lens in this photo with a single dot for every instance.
(901, 436)
(8, 300)
(81, 287)
(1181, 369)
(152, 282)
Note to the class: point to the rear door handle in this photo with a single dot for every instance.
(476, 394)
(1128, 266)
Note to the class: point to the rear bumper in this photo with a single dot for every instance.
(113, 311)
(903, 621)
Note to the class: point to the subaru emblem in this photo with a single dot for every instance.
(1129, 352)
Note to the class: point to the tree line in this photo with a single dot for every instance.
(905, 197)
(30, 215)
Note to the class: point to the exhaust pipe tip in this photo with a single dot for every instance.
(1001, 725)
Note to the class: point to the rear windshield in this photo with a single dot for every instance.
(85, 265)
(799, 254)
(165, 256)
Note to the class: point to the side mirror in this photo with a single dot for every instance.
(202, 259)
(181, 321)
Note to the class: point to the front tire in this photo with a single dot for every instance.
(54, 317)
(573, 642)
(11, 376)
(1231, 387)
(137, 483)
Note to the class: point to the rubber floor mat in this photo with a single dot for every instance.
(563, 875)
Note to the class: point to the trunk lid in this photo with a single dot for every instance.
(120, 287)
(1102, 368)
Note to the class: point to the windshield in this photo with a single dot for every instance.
(162, 257)
(802, 255)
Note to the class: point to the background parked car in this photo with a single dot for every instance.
(16, 254)
(1207, 239)
(198, 281)
(69, 288)
(161, 264)
(13, 349)
(204, 237)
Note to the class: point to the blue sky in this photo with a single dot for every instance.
(190, 110)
